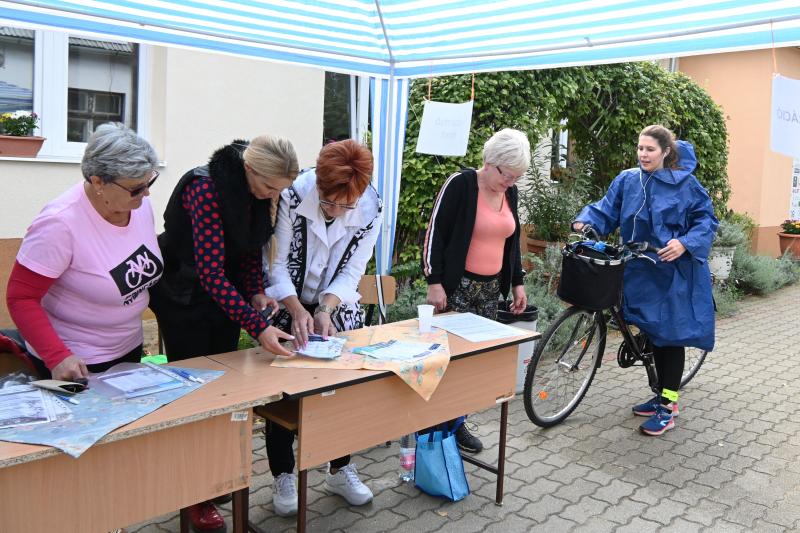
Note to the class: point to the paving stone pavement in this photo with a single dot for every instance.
(731, 463)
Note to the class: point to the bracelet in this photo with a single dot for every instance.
(322, 308)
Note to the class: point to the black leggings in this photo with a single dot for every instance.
(669, 367)
(280, 440)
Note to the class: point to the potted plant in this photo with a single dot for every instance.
(548, 207)
(789, 238)
(16, 134)
(720, 258)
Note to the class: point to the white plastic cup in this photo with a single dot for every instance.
(425, 315)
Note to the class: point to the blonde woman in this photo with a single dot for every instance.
(217, 220)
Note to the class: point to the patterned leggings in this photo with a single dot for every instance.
(479, 297)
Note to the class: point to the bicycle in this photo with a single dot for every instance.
(569, 353)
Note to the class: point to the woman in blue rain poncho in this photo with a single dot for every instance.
(661, 202)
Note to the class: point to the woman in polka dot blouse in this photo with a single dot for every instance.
(217, 221)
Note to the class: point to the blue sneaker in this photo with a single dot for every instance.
(660, 422)
(648, 408)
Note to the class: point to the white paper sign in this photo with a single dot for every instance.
(785, 134)
(444, 129)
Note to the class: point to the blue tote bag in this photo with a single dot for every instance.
(439, 470)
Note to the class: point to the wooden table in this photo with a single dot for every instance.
(186, 452)
(337, 412)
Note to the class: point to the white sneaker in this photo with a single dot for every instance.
(346, 484)
(284, 494)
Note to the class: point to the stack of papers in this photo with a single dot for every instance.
(475, 328)
(140, 381)
(320, 348)
(395, 350)
(21, 405)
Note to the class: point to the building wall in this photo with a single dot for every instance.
(741, 83)
(197, 102)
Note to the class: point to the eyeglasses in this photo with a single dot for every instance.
(139, 190)
(327, 203)
(507, 176)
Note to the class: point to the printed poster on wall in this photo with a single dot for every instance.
(785, 123)
(794, 207)
(444, 129)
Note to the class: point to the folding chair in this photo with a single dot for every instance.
(377, 290)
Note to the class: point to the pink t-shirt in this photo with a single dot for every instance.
(102, 273)
(492, 228)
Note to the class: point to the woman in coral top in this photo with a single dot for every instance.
(471, 253)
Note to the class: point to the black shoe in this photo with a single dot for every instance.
(467, 441)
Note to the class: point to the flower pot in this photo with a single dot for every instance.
(535, 246)
(13, 146)
(790, 242)
(720, 260)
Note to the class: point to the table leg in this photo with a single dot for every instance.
(184, 520)
(302, 495)
(501, 456)
(241, 510)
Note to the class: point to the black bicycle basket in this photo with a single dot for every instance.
(590, 278)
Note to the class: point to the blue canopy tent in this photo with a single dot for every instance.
(391, 41)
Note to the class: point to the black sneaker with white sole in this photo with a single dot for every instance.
(467, 441)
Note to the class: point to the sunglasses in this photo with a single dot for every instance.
(327, 203)
(139, 190)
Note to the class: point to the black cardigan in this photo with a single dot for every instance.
(447, 239)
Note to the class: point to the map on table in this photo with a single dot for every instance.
(96, 415)
(422, 374)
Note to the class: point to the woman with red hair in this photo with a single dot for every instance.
(328, 222)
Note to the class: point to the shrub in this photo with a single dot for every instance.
(730, 234)
(760, 274)
(725, 297)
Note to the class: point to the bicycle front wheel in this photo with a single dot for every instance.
(694, 358)
(563, 366)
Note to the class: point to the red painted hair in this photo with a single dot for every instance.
(344, 170)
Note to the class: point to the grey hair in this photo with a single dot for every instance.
(115, 151)
(508, 148)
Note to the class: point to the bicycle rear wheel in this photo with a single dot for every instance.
(694, 359)
(563, 366)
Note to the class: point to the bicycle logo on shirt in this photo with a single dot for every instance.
(142, 266)
(136, 273)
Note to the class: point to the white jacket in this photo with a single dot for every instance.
(313, 260)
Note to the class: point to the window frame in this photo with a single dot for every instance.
(50, 93)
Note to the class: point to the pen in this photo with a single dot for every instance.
(184, 374)
(73, 401)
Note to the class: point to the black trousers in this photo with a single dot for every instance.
(280, 440)
(670, 361)
(134, 356)
(195, 330)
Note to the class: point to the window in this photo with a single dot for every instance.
(100, 81)
(337, 112)
(101, 85)
(16, 70)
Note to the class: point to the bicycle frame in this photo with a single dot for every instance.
(645, 357)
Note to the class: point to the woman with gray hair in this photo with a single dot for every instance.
(471, 253)
(79, 285)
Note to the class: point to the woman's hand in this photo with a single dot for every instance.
(270, 340)
(673, 250)
(302, 326)
(261, 301)
(70, 369)
(520, 299)
(437, 297)
(323, 324)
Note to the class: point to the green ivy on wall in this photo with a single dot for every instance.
(605, 107)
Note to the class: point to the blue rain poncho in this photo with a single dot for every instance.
(671, 302)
